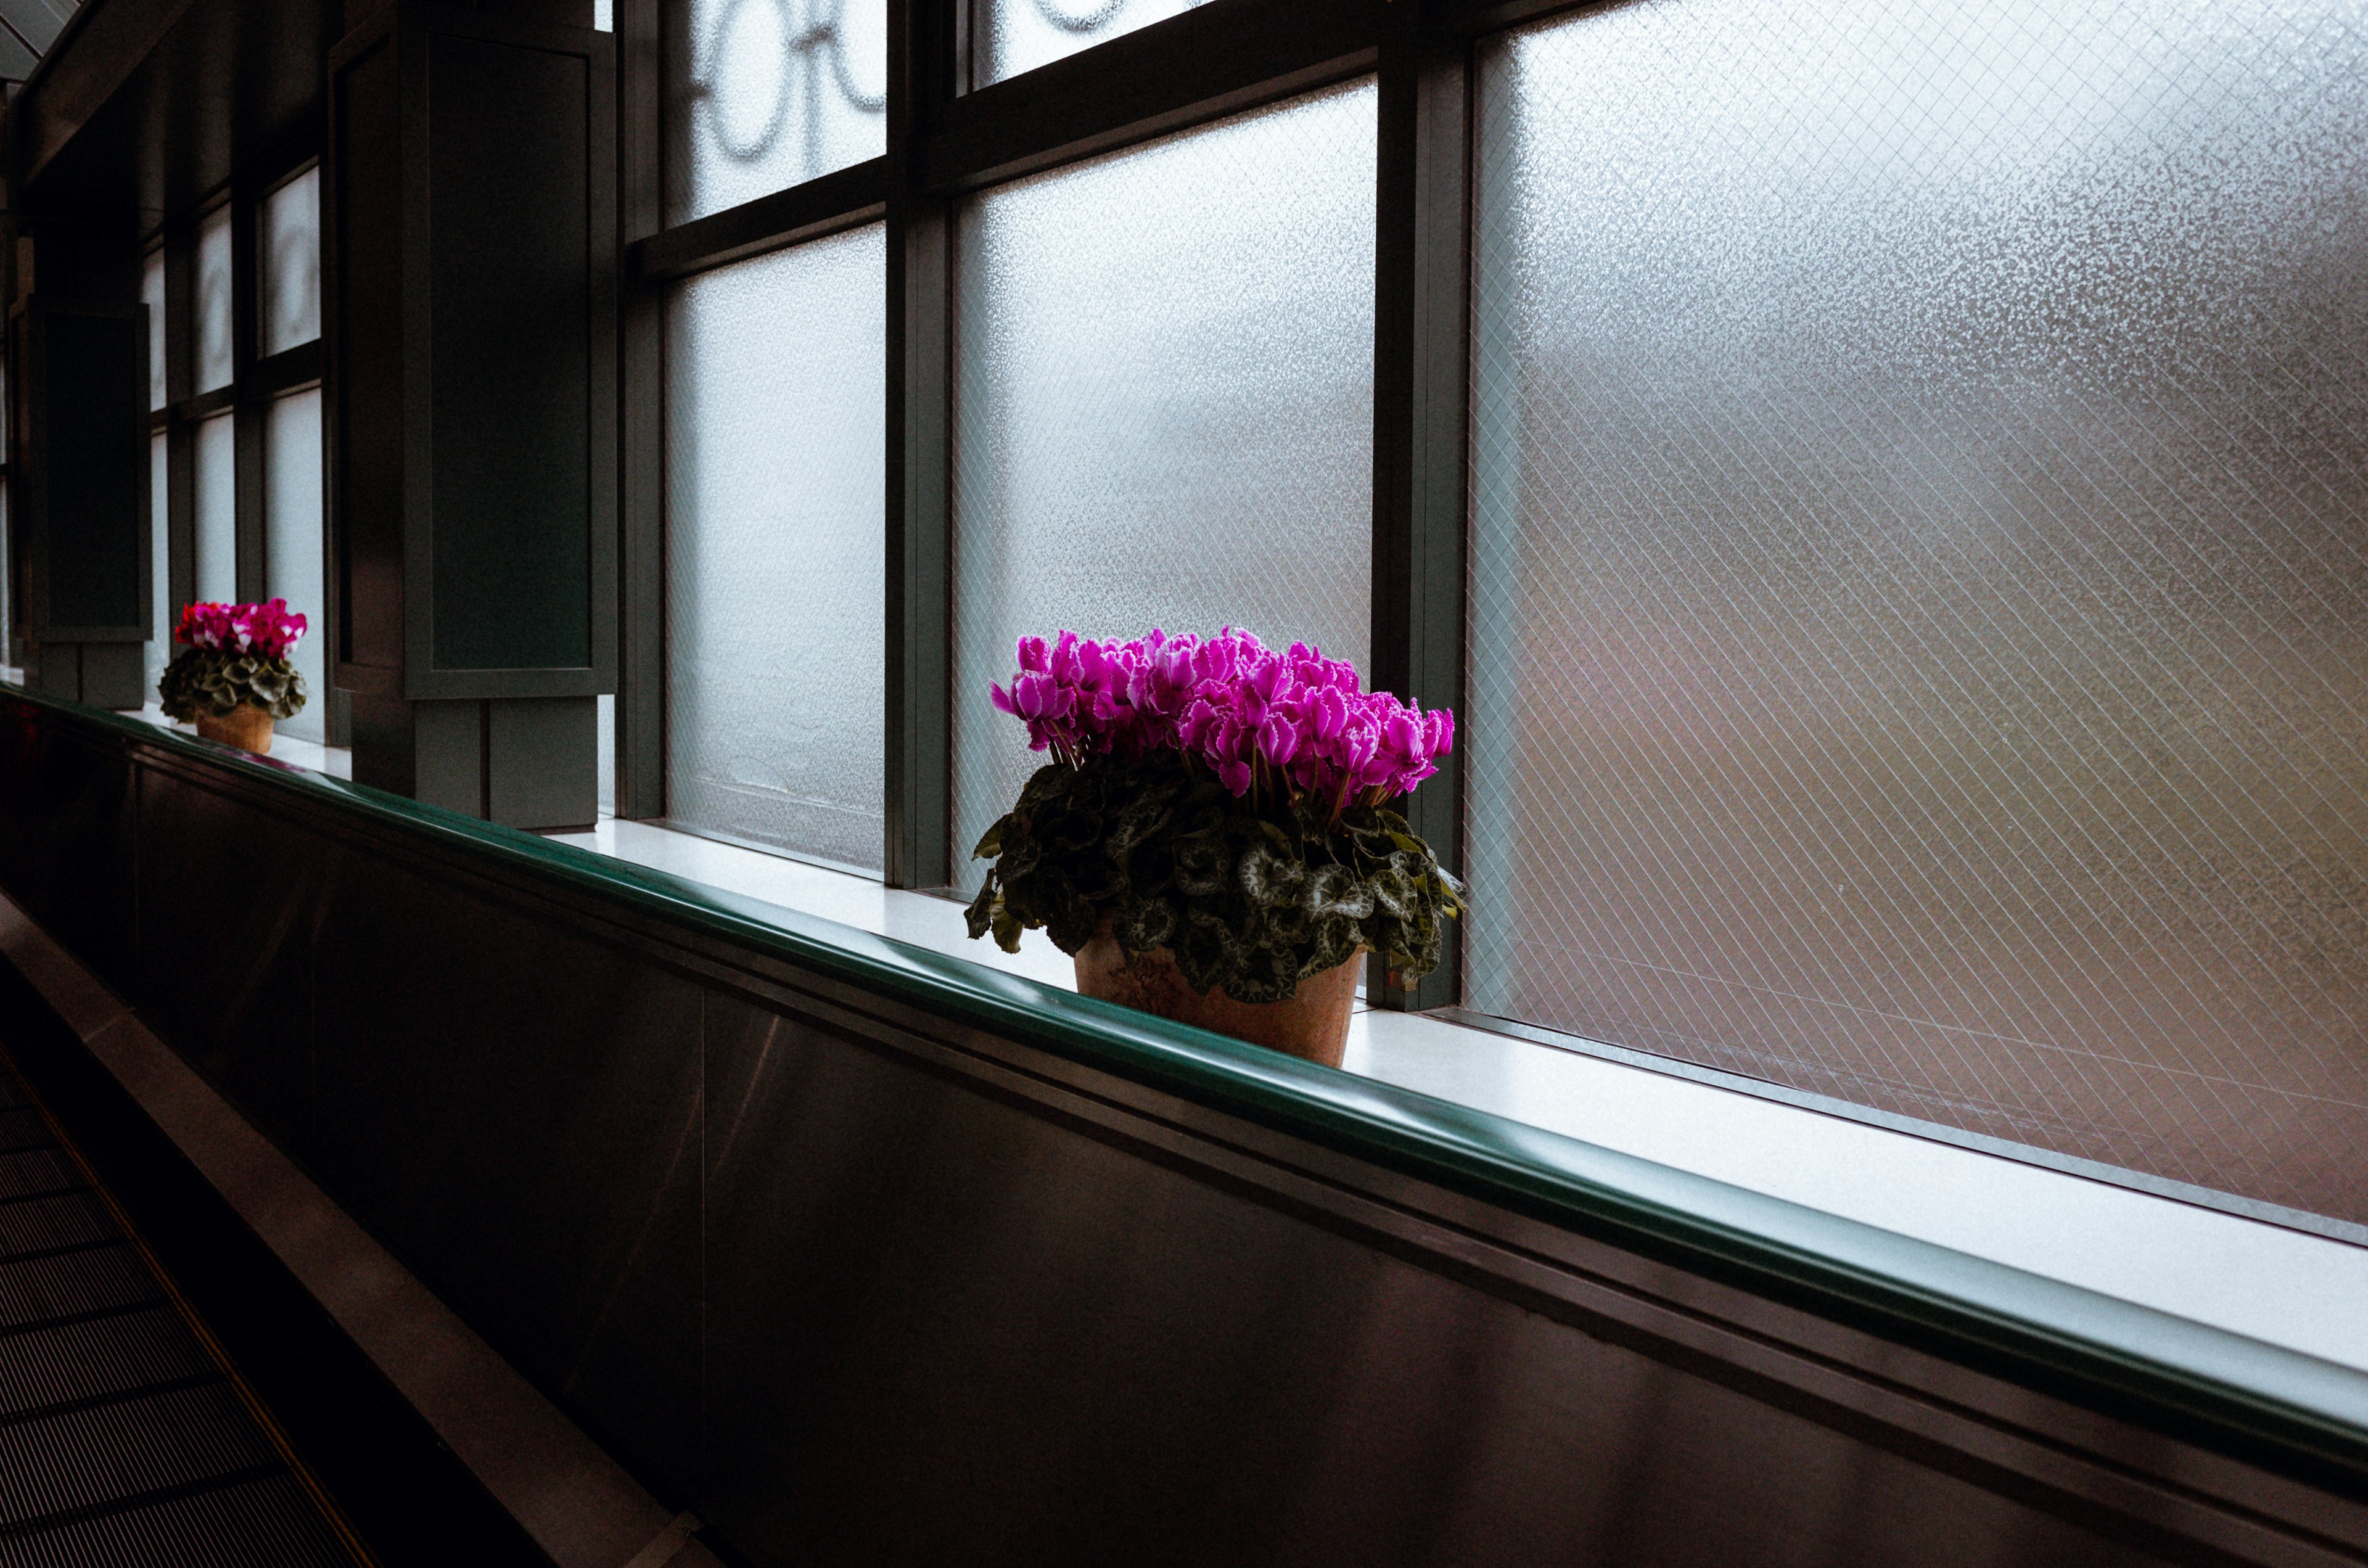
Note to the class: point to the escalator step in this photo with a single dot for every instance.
(107, 1357)
(267, 1522)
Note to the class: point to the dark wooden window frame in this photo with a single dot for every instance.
(947, 138)
(256, 384)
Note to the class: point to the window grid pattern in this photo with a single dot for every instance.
(776, 559)
(1163, 408)
(1920, 645)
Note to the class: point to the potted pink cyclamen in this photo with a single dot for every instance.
(1213, 839)
(232, 675)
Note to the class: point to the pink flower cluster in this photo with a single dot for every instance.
(267, 629)
(1259, 718)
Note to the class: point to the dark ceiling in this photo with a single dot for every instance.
(146, 106)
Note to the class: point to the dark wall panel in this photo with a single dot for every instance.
(225, 966)
(67, 819)
(365, 234)
(525, 1139)
(857, 1283)
(511, 282)
(90, 405)
(952, 1320)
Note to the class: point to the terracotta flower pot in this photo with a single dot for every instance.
(1313, 1024)
(249, 728)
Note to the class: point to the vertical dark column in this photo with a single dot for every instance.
(80, 499)
(641, 627)
(469, 191)
(921, 36)
(1422, 328)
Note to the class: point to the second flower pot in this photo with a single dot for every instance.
(244, 726)
(1313, 1025)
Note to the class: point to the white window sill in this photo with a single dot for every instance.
(2287, 1287)
(337, 762)
(2284, 1287)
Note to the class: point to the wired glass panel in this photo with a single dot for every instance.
(288, 262)
(217, 532)
(293, 545)
(1164, 393)
(162, 611)
(151, 294)
(762, 95)
(1021, 35)
(214, 302)
(1919, 650)
(777, 548)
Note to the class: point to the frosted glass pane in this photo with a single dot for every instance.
(776, 547)
(214, 302)
(1164, 407)
(217, 511)
(293, 537)
(162, 611)
(288, 258)
(1023, 34)
(1920, 645)
(151, 294)
(763, 94)
(604, 718)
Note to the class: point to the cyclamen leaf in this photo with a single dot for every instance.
(1248, 903)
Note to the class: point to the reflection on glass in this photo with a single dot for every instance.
(1921, 602)
(1023, 34)
(766, 94)
(214, 302)
(1164, 407)
(292, 543)
(776, 547)
(288, 262)
(151, 294)
(161, 610)
(217, 511)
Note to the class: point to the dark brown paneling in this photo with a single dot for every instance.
(84, 505)
(857, 1283)
(509, 295)
(362, 237)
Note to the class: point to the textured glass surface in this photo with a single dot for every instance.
(604, 720)
(288, 247)
(776, 547)
(1021, 35)
(162, 611)
(217, 511)
(763, 94)
(214, 302)
(151, 294)
(1163, 408)
(292, 543)
(1921, 641)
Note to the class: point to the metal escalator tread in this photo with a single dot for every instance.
(31, 1171)
(126, 1439)
(264, 1523)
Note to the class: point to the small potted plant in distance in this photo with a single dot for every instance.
(232, 676)
(1213, 840)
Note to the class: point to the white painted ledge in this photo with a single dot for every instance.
(2304, 1292)
(2287, 1287)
